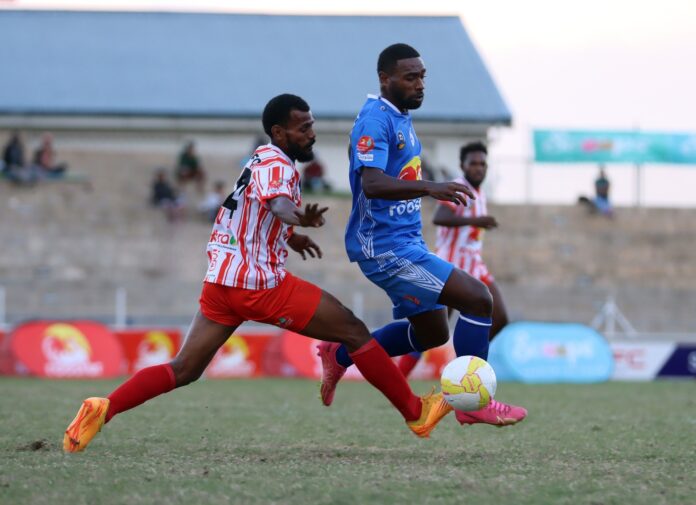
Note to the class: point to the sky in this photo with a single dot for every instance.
(611, 64)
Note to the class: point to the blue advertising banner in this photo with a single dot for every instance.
(587, 146)
(534, 352)
(682, 363)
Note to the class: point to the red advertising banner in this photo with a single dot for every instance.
(7, 362)
(300, 355)
(148, 347)
(76, 349)
(241, 356)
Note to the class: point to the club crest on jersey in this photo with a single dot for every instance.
(365, 145)
(401, 140)
(412, 170)
(276, 181)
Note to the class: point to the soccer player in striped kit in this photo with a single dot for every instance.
(247, 281)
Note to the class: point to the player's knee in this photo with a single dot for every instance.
(185, 373)
(435, 337)
(481, 303)
(353, 332)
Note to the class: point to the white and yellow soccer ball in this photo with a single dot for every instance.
(468, 383)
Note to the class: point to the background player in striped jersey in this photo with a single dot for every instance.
(384, 236)
(460, 232)
(247, 280)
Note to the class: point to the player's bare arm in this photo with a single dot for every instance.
(377, 184)
(284, 209)
(447, 217)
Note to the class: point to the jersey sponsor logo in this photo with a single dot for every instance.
(412, 137)
(412, 170)
(401, 140)
(405, 207)
(218, 237)
(365, 144)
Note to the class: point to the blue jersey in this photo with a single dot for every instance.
(382, 138)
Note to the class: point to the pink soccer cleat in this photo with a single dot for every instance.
(331, 371)
(495, 413)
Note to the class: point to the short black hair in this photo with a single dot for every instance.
(388, 58)
(472, 147)
(277, 110)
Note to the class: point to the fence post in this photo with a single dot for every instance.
(121, 308)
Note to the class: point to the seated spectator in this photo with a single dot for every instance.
(13, 161)
(189, 167)
(210, 204)
(313, 177)
(164, 196)
(600, 204)
(45, 159)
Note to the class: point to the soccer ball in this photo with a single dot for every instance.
(468, 383)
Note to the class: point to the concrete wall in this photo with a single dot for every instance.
(65, 248)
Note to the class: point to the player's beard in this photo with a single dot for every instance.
(302, 154)
(413, 102)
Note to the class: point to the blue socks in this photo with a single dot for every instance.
(397, 338)
(471, 336)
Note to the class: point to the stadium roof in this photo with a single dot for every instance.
(229, 65)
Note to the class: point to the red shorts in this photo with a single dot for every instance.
(291, 304)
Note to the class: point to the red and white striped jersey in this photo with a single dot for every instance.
(453, 241)
(247, 247)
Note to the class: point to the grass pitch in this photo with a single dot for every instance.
(270, 441)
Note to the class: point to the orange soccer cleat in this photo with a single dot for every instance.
(87, 423)
(434, 409)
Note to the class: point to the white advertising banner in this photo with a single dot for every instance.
(639, 361)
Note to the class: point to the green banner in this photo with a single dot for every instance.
(586, 146)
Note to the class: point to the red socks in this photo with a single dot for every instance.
(380, 371)
(407, 363)
(144, 385)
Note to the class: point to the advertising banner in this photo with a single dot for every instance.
(682, 362)
(7, 362)
(582, 146)
(75, 349)
(148, 347)
(241, 356)
(535, 352)
(639, 361)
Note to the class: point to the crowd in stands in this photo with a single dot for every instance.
(169, 195)
(43, 164)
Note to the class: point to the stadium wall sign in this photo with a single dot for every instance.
(535, 352)
(640, 361)
(148, 347)
(242, 355)
(75, 349)
(581, 146)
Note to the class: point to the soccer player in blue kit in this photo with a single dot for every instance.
(384, 237)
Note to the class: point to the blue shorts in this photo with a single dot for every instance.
(412, 276)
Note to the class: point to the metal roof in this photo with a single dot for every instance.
(229, 65)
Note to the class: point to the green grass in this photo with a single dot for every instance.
(270, 441)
